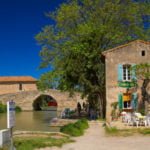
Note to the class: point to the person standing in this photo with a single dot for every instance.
(79, 108)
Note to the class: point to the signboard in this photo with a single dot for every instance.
(5, 137)
(10, 114)
(126, 84)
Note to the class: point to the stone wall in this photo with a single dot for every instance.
(129, 54)
(14, 87)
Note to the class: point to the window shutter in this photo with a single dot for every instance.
(120, 72)
(133, 73)
(120, 101)
(134, 101)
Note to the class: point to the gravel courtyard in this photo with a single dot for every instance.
(95, 139)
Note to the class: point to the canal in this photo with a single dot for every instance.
(31, 121)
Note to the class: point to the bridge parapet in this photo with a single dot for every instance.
(25, 99)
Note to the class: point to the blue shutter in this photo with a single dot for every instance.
(120, 101)
(134, 102)
(133, 72)
(120, 72)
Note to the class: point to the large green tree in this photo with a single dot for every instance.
(142, 72)
(82, 30)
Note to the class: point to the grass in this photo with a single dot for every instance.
(126, 132)
(30, 143)
(145, 131)
(75, 129)
(5, 148)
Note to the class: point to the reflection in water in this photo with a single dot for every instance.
(31, 121)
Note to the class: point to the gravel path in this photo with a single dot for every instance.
(95, 139)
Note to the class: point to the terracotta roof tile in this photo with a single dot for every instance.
(17, 79)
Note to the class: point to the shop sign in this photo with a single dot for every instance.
(126, 84)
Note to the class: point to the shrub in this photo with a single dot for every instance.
(85, 122)
(142, 111)
(81, 124)
(71, 130)
(75, 129)
(18, 109)
(3, 108)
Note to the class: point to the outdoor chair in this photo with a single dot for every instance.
(147, 120)
(142, 119)
(123, 116)
(128, 119)
(137, 114)
(135, 120)
(131, 119)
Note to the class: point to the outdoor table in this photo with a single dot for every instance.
(141, 119)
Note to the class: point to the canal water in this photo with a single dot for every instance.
(31, 121)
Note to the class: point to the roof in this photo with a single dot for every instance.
(17, 79)
(124, 45)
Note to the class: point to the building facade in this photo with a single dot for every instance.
(120, 79)
(14, 84)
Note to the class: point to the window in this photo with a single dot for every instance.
(127, 104)
(143, 53)
(20, 87)
(126, 72)
(128, 101)
(124, 100)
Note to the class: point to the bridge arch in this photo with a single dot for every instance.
(43, 100)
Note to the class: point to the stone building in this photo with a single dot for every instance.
(14, 84)
(119, 77)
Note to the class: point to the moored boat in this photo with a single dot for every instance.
(51, 106)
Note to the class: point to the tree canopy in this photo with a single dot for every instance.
(142, 72)
(82, 30)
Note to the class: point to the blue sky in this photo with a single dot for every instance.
(20, 21)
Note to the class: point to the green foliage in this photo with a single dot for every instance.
(76, 129)
(18, 109)
(114, 110)
(81, 124)
(114, 105)
(30, 143)
(142, 71)
(112, 130)
(83, 29)
(70, 129)
(145, 131)
(3, 108)
(4, 148)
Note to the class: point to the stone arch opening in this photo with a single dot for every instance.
(45, 102)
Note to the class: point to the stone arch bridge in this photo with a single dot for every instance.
(25, 99)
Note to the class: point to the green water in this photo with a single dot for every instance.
(31, 121)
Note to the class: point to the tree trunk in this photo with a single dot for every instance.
(102, 104)
(146, 95)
